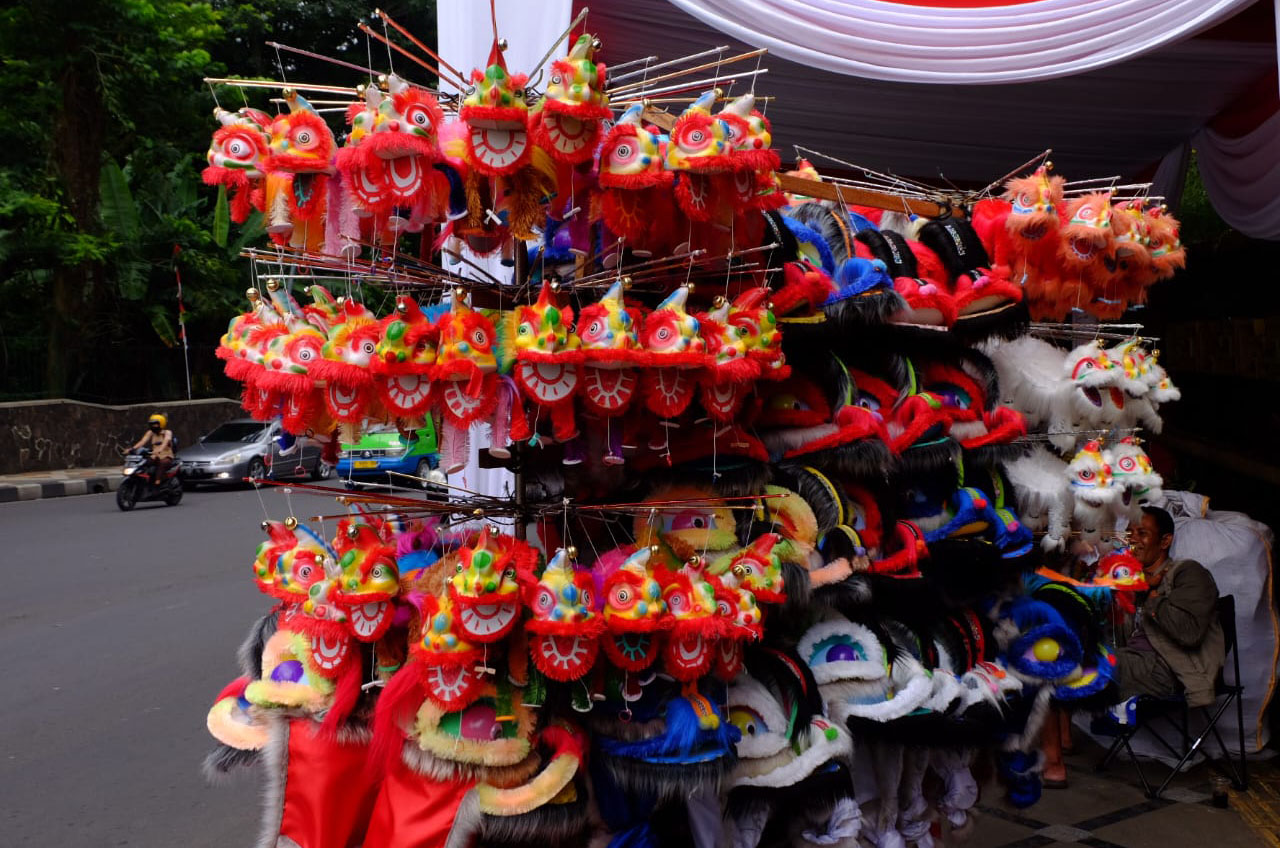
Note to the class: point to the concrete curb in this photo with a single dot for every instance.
(51, 488)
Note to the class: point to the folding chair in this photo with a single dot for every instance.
(1175, 707)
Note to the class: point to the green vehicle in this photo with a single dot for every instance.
(383, 450)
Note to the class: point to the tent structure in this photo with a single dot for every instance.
(965, 90)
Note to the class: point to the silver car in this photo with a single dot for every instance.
(243, 448)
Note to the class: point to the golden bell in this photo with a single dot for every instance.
(291, 523)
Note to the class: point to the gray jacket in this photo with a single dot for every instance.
(1180, 618)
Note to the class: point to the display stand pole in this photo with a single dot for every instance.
(517, 449)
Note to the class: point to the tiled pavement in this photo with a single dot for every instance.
(1109, 810)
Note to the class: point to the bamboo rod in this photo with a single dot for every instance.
(424, 48)
(702, 84)
(277, 45)
(678, 100)
(751, 54)
(319, 102)
(866, 197)
(572, 24)
(645, 70)
(396, 47)
(889, 180)
(261, 83)
(631, 62)
(1034, 160)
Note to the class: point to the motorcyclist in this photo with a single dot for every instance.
(160, 440)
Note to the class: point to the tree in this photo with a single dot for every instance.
(96, 81)
(107, 121)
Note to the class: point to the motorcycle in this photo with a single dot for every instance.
(142, 482)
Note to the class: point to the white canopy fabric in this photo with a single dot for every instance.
(1121, 119)
(1242, 176)
(996, 41)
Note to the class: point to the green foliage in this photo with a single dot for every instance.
(221, 218)
(106, 123)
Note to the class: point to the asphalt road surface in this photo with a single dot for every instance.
(116, 632)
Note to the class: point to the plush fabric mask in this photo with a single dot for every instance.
(486, 585)
(634, 612)
(634, 185)
(466, 367)
(1168, 256)
(673, 352)
(610, 349)
(694, 618)
(237, 159)
(548, 358)
(404, 360)
(565, 626)
(369, 579)
(1036, 200)
(1086, 237)
(568, 126)
(848, 662)
(1093, 485)
(495, 114)
(1134, 479)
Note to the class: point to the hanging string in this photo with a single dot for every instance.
(257, 487)
(391, 65)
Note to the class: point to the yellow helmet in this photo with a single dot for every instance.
(158, 418)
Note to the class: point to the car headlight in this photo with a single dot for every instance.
(233, 457)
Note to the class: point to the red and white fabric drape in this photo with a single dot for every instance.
(960, 41)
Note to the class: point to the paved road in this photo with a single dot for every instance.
(116, 631)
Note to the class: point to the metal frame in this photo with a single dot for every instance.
(1226, 693)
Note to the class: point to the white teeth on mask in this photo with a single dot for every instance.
(367, 186)
(610, 388)
(499, 147)
(342, 400)
(548, 382)
(327, 654)
(487, 619)
(407, 390)
(406, 177)
(366, 618)
(458, 402)
(565, 652)
(446, 682)
(568, 134)
(690, 650)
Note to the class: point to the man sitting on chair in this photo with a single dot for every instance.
(1177, 643)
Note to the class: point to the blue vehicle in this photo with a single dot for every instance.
(383, 450)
